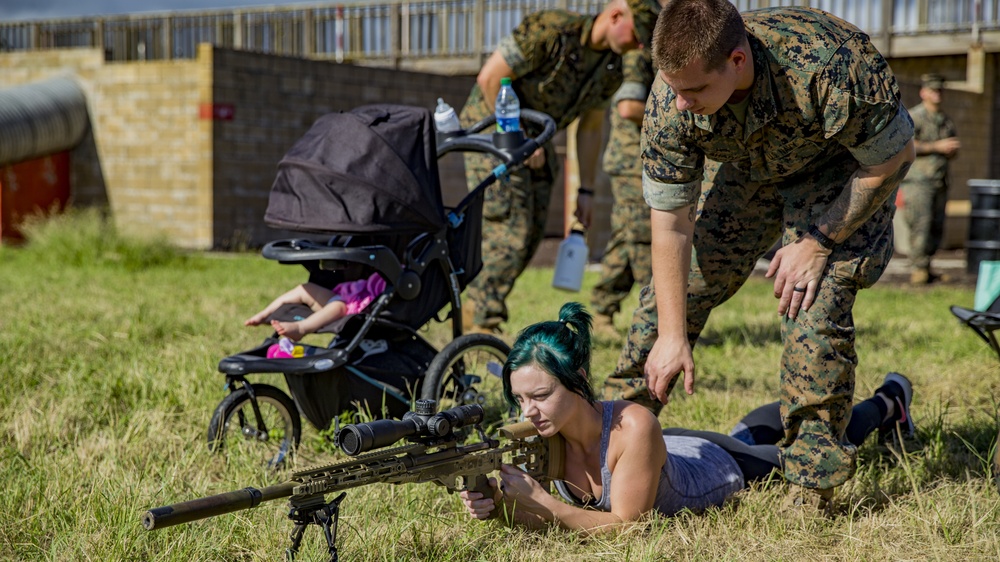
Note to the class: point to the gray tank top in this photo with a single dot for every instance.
(698, 474)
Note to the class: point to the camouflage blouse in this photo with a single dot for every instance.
(621, 156)
(555, 72)
(823, 98)
(930, 127)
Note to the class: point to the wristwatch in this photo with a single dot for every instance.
(825, 241)
(584, 191)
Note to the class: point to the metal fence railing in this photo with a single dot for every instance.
(403, 29)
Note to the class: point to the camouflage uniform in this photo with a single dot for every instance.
(925, 189)
(823, 103)
(555, 72)
(627, 258)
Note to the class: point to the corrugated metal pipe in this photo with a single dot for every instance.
(41, 118)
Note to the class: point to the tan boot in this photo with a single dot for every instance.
(604, 327)
(469, 325)
(468, 316)
(939, 278)
(492, 327)
(807, 503)
(920, 277)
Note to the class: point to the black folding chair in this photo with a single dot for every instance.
(985, 324)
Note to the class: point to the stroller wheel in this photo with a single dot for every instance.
(468, 371)
(237, 430)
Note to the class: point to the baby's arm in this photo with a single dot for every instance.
(309, 294)
(333, 310)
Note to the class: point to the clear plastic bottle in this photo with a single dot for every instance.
(508, 108)
(445, 118)
(571, 262)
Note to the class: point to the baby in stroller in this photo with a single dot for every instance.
(363, 187)
(328, 305)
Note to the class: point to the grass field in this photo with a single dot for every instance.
(108, 354)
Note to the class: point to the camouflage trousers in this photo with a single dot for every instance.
(736, 225)
(924, 212)
(514, 214)
(627, 259)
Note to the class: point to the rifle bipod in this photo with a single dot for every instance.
(316, 512)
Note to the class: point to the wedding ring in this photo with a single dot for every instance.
(799, 289)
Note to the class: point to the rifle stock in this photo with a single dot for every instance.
(447, 464)
(555, 450)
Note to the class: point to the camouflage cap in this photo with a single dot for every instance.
(644, 14)
(932, 80)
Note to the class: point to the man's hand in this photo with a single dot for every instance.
(537, 159)
(584, 209)
(666, 361)
(797, 270)
(589, 133)
(948, 147)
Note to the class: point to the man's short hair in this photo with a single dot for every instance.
(689, 29)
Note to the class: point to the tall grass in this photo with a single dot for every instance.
(108, 354)
(83, 237)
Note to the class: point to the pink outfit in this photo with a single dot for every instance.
(359, 294)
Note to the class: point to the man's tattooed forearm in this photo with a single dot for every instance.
(857, 204)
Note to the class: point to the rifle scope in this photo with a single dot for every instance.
(422, 422)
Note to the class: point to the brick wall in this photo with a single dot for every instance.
(977, 118)
(147, 156)
(276, 100)
(161, 167)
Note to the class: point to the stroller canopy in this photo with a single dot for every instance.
(370, 170)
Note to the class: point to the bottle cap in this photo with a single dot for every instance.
(579, 231)
(505, 81)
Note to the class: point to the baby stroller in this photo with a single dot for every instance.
(364, 185)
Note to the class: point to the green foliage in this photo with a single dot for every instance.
(109, 377)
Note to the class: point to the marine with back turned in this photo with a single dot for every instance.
(568, 66)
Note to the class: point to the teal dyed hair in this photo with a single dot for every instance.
(561, 348)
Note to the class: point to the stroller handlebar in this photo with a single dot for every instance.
(474, 140)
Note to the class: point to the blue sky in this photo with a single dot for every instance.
(44, 9)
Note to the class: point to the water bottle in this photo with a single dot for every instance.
(508, 108)
(571, 261)
(445, 118)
